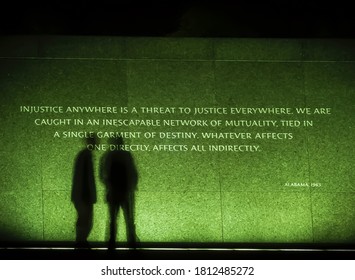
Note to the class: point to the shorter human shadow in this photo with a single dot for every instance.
(83, 194)
(119, 174)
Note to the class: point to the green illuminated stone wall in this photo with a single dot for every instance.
(184, 196)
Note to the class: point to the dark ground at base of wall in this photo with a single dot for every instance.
(173, 251)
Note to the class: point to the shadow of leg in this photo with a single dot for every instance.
(132, 237)
(113, 226)
(84, 224)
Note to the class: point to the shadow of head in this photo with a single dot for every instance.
(116, 141)
(91, 140)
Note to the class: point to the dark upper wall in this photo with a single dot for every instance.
(296, 19)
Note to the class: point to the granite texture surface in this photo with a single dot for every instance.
(296, 189)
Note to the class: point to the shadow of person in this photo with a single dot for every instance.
(83, 193)
(119, 174)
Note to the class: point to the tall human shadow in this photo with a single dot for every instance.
(83, 193)
(119, 174)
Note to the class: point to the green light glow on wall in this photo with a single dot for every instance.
(183, 196)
